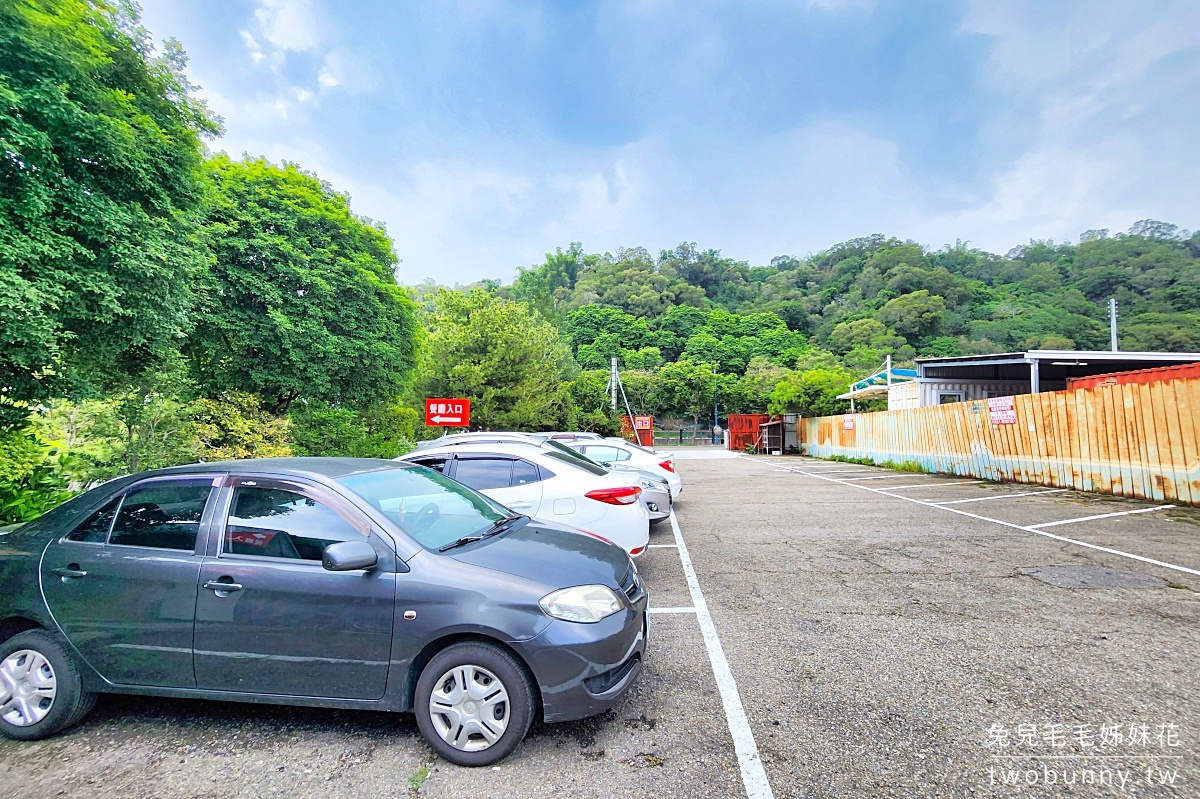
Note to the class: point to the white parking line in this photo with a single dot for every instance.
(827, 465)
(1001, 496)
(664, 546)
(754, 777)
(1097, 516)
(670, 610)
(1026, 528)
(935, 485)
(883, 476)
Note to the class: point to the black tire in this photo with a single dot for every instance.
(515, 680)
(70, 704)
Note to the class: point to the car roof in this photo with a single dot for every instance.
(500, 447)
(329, 468)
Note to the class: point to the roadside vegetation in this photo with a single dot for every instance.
(160, 303)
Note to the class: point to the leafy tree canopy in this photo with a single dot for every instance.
(302, 299)
(499, 354)
(99, 173)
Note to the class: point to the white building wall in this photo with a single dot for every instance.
(939, 392)
(904, 395)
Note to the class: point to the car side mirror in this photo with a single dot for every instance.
(346, 556)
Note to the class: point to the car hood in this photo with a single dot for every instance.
(553, 556)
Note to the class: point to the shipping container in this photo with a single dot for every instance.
(745, 429)
(1178, 372)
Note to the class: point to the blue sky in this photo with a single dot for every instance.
(486, 133)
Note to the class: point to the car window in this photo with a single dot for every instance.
(524, 472)
(94, 529)
(281, 523)
(483, 473)
(162, 515)
(430, 507)
(437, 464)
(606, 454)
(576, 457)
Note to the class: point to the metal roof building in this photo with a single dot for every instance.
(974, 377)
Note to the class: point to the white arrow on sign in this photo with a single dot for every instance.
(446, 419)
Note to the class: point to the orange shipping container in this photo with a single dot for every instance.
(1179, 372)
(744, 429)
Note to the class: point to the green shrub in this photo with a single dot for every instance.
(32, 475)
(383, 431)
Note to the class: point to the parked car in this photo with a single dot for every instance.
(656, 489)
(549, 485)
(619, 452)
(563, 436)
(348, 583)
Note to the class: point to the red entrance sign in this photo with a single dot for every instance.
(848, 421)
(442, 412)
(1001, 410)
(643, 423)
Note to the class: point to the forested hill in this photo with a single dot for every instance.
(869, 297)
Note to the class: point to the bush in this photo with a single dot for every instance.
(235, 426)
(32, 476)
(384, 431)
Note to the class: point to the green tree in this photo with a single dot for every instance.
(234, 426)
(587, 323)
(914, 315)
(591, 403)
(385, 430)
(511, 365)
(690, 386)
(302, 299)
(811, 393)
(100, 174)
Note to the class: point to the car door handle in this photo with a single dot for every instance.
(520, 504)
(71, 572)
(222, 587)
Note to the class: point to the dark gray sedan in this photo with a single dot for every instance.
(315, 581)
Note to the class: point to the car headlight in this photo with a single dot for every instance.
(651, 485)
(583, 603)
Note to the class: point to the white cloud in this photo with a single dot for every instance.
(290, 25)
(342, 68)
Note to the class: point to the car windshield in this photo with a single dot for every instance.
(430, 507)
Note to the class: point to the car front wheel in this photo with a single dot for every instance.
(40, 689)
(474, 703)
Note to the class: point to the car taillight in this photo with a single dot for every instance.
(625, 495)
(635, 552)
(668, 464)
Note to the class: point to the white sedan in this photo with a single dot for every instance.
(624, 453)
(548, 485)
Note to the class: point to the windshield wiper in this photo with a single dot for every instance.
(499, 527)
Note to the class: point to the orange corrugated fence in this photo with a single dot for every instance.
(1133, 440)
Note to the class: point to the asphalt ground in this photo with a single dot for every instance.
(878, 646)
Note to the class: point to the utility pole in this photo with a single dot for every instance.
(612, 384)
(1112, 323)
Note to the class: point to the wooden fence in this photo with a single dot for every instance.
(1140, 440)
